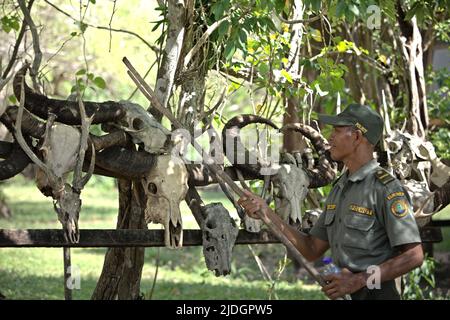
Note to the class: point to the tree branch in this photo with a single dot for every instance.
(17, 44)
(298, 21)
(154, 48)
(37, 50)
(202, 40)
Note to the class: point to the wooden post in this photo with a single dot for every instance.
(67, 267)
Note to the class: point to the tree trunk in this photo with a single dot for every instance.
(122, 269)
(167, 70)
(410, 43)
(293, 141)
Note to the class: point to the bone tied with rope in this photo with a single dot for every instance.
(285, 234)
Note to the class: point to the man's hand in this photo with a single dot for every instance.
(340, 284)
(252, 203)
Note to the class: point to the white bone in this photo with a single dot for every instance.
(143, 128)
(166, 186)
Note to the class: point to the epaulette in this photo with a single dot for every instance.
(336, 181)
(384, 176)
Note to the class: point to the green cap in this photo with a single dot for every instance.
(360, 116)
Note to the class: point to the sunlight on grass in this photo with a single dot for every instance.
(37, 273)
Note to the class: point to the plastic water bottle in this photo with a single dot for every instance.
(331, 268)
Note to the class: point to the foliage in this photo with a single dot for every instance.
(420, 281)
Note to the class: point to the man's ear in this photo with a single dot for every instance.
(359, 136)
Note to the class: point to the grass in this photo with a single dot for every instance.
(36, 273)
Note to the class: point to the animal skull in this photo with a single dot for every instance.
(166, 186)
(143, 128)
(422, 200)
(290, 188)
(219, 232)
(60, 151)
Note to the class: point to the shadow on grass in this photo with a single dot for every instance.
(21, 287)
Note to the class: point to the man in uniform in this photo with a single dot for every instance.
(367, 220)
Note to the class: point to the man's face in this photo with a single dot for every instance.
(342, 142)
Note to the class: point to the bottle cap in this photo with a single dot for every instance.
(327, 260)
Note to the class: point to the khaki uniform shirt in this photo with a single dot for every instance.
(366, 215)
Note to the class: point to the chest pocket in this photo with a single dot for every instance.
(358, 231)
(359, 222)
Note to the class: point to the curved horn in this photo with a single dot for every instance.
(31, 126)
(15, 159)
(325, 170)
(130, 163)
(231, 132)
(66, 111)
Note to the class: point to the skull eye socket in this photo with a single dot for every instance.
(152, 188)
(137, 124)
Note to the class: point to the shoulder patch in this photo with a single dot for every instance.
(399, 208)
(384, 176)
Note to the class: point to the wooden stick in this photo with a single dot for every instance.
(274, 222)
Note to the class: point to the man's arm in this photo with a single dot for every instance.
(309, 246)
(346, 282)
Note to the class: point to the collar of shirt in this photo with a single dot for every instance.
(362, 172)
(358, 175)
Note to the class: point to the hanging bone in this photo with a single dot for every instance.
(219, 232)
(290, 189)
(144, 129)
(63, 150)
(166, 186)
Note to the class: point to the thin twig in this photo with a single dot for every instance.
(298, 21)
(37, 50)
(154, 48)
(261, 266)
(110, 23)
(156, 274)
(202, 40)
(17, 44)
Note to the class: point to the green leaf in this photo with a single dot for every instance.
(242, 38)
(316, 35)
(5, 24)
(12, 99)
(100, 82)
(90, 76)
(223, 28)
(73, 34)
(14, 23)
(354, 9)
(218, 8)
(340, 9)
(342, 46)
(92, 1)
(230, 49)
(83, 27)
(286, 74)
(80, 72)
